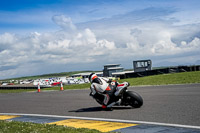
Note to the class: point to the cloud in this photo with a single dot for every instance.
(58, 48)
(90, 45)
(6, 40)
(2, 68)
(64, 22)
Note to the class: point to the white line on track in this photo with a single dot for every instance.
(103, 119)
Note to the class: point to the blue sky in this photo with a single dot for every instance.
(47, 36)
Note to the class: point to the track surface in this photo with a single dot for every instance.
(175, 104)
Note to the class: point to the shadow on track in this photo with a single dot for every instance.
(96, 109)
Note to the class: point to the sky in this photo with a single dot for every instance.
(51, 36)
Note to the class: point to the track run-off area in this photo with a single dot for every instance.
(168, 107)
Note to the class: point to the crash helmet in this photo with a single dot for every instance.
(93, 78)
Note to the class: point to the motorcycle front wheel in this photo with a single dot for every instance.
(134, 99)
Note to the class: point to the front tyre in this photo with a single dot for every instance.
(134, 99)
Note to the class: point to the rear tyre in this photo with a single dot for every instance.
(135, 100)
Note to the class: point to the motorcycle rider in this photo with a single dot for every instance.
(104, 89)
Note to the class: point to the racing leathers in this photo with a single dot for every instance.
(103, 90)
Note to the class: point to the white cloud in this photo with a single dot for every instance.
(49, 48)
(7, 38)
(64, 22)
(109, 41)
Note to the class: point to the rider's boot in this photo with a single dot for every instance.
(121, 87)
(104, 107)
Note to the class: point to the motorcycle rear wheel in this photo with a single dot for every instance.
(135, 100)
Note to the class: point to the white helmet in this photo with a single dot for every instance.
(94, 78)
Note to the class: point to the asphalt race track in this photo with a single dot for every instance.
(174, 104)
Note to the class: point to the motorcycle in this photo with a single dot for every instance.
(128, 98)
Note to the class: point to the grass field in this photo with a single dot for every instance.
(27, 127)
(66, 87)
(164, 79)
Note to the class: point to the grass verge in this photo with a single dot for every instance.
(27, 127)
(16, 91)
(66, 87)
(165, 79)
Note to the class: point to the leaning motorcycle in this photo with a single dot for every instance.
(128, 98)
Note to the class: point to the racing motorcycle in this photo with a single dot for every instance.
(128, 98)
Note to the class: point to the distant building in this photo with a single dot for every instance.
(142, 65)
(112, 68)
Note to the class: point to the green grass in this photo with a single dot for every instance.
(66, 87)
(27, 127)
(16, 91)
(165, 79)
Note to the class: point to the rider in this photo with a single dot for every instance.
(104, 89)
